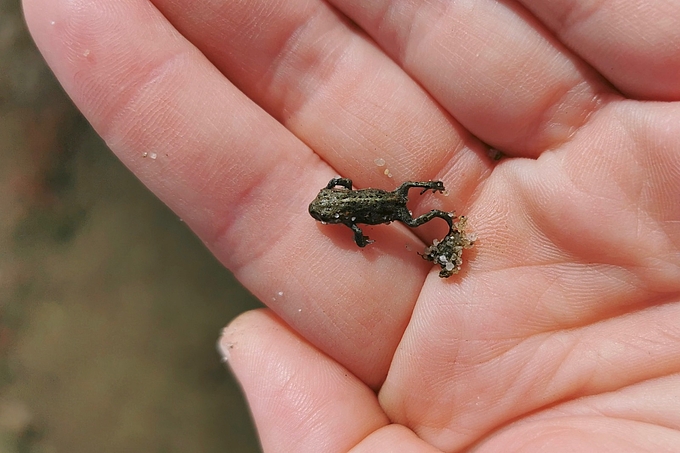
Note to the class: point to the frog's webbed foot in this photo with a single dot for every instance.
(343, 182)
(435, 213)
(434, 186)
(359, 238)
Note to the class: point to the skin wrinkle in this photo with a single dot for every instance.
(597, 385)
(322, 63)
(223, 236)
(116, 115)
(372, 126)
(577, 187)
(579, 13)
(384, 21)
(578, 389)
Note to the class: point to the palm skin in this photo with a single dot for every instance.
(561, 332)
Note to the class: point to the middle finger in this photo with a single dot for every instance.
(329, 84)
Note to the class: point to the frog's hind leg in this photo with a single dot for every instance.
(435, 186)
(359, 238)
(435, 213)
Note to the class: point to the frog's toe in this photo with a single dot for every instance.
(363, 241)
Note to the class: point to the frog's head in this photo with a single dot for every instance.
(324, 208)
(319, 210)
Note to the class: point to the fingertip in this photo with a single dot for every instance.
(300, 399)
(239, 328)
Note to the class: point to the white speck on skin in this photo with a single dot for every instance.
(52, 22)
(380, 162)
(224, 350)
(145, 154)
(153, 156)
(86, 53)
(280, 293)
(387, 173)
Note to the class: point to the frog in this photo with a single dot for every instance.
(338, 203)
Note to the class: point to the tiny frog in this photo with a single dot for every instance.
(371, 206)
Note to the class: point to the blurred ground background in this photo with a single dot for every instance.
(110, 308)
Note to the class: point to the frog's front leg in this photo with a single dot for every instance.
(435, 213)
(435, 186)
(343, 182)
(359, 238)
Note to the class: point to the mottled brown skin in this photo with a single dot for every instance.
(338, 203)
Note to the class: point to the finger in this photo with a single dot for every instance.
(490, 64)
(334, 89)
(301, 400)
(633, 43)
(239, 179)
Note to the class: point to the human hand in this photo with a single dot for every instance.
(561, 332)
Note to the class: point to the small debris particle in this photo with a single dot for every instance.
(495, 154)
(86, 53)
(387, 173)
(153, 156)
(145, 154)
(380, 162)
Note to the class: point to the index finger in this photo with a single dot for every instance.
(237, 177)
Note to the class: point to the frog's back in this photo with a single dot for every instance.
(367, 206)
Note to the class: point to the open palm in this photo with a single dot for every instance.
(561, 333)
